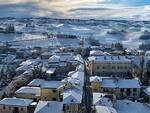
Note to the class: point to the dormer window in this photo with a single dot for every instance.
(72, 100)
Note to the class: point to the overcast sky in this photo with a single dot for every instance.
(98, 9)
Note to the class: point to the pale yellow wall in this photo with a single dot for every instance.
(96, 86)
(118, 67)
(9, 109)
(48, 94)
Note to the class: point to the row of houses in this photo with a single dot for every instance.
(49, 95)
(56, 64)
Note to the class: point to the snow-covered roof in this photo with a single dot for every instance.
(62, 64)
(30, 61)
(135, 59)
(51, 84)
(47, 53)
(71, 73)
(146, 61)
(16, 102)
(79, 58)
(147, 91)
(120, 83)
(36, 82)
(64, 54)
(66, 57)
(79, 75)
(147, 53)
(49, 107)
(96, 53)
(45, 84)
(72, 96)
(50, 70)
(74, 82)
(29, 90)
(109, 59)
(3, 67)
(28, 64)
(105, 109)
(95, 79)
(75, 79)
(80, 67)
(100, 99)
(54, 58)
(126, 106)
(61, 58)
(9, 59)
(118, 52)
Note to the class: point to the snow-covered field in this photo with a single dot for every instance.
(106, 31)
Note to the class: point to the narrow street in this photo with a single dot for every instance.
(87, 96)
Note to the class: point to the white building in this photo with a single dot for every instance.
(118, 66)
(129, 88)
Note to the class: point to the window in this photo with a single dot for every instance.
(53, 90)
(9, 107)
(113, 67)
(4, 107)
(134, 94)
(98, 67)
(72, 100)
(61, 99)
(122, 90)
(21, 109)
(63, 108)
(134, 90)
(128, 92)
(45, 98)
(54, 99)
(125, 67)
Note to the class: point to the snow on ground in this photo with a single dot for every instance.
(126, 106)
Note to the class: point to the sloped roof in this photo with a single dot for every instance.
(100, 99)
(95, 79)
(147, 91)
(120, 83)
(29, 90)
(72, 96)
(96, 52)
(105, 109)
(36, 82)
(51, 84)
(49, 107)
(127, 106)
(54, 58)
(16, 102)
(80, 67)
(106, 58)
